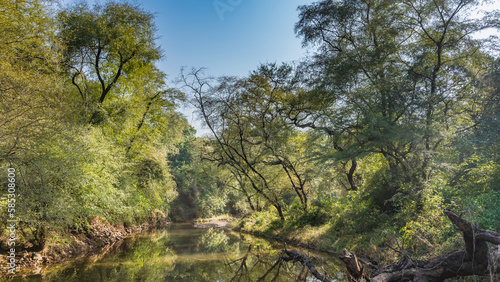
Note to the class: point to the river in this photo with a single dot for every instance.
(181, 252)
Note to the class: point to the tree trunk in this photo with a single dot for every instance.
(474, 260)
(280, 211)
(355, 270)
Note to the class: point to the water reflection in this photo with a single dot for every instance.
(183, 253)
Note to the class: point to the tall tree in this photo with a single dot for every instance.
(70, 170)
(30, 92)
(251, 136)
(104, 43)
(390, 77)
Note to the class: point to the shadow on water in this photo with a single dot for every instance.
(183, 253)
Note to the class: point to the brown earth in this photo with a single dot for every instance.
(214, 223)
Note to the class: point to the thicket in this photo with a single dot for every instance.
(87, 120)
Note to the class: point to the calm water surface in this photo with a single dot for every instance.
(183, 253)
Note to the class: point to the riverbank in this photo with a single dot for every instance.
(60, 247)
(307, 237)
(372, 247)
(322, 235)
(224, 222)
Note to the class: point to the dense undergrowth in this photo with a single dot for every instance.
(381, 236)
(86, 128)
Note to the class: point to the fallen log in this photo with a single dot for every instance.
(474, 260)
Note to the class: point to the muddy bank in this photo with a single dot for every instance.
(225, 224)
(97, 239)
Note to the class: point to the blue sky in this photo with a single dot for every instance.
(228, 37)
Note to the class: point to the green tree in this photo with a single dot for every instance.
(69, 170)
(32, 100)
(203, 186)
(109, 54)
(30, 91)
(104, 43)
(252, 138)
(389, 78)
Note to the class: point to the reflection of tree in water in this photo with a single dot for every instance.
(136, 259)
(152, 260)
(214, 240)
(191, 255)
(261, 263)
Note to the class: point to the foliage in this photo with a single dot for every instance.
(214, 241)
(103, 43)
(107, 158)
(390, 78)
(398, 109)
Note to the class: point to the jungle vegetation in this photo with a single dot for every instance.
(394, 118)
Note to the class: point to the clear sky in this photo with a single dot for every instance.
(228, 37)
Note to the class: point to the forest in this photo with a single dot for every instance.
(392, 119)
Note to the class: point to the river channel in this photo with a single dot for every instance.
(181, 252)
